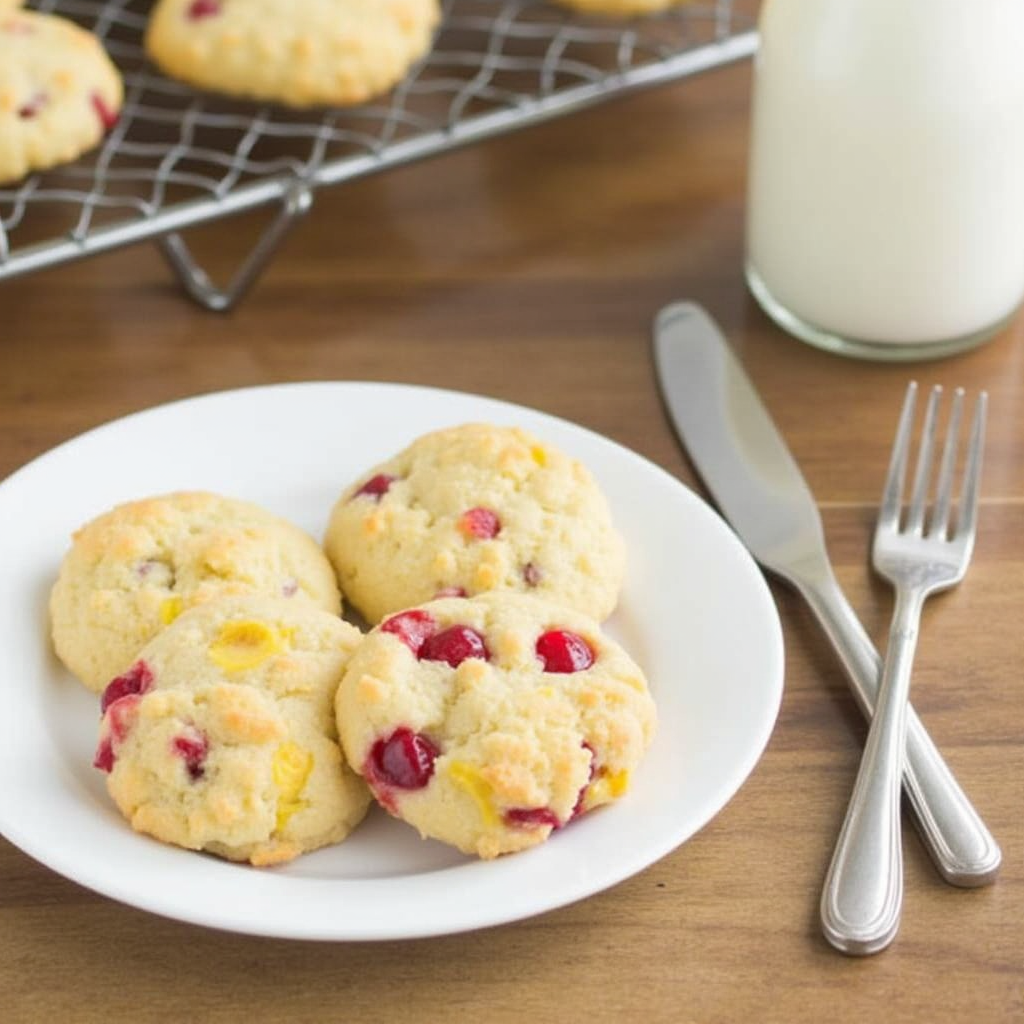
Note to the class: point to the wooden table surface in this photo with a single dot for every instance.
(528, 269)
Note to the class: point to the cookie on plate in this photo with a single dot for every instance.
(620, 8)
(222, 735)
(303, 53)
(134, 569)
(490, 722)
(59, 92)
(470, 509)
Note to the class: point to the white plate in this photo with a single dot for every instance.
(696, 614)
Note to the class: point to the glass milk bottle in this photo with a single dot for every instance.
(886, 190)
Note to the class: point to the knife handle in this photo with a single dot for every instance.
(963, 849)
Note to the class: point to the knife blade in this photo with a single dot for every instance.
(760, 490)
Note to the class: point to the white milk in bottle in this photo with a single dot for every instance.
(886, 190)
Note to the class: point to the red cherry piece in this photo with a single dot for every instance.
(138, 679)
(577, 809)
(203, 9)
(412, 628)
(107, 115)
(562, 651)
(531, 817)
(451, 592)
(482, 523)
(376, 487)
(454, 645)
(33, 106)
(405, 760)
(192, 748)
(121, 714)
(104, 759)
(532, 575)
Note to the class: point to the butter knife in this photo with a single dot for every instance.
(760, 490)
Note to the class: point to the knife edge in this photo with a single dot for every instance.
(732, 441)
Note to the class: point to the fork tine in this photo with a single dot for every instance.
(939, 522)
(968, 515)
(915, 515)
(889, 509)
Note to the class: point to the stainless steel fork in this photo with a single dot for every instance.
(863, 892)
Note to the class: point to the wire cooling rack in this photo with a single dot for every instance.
(178, 158)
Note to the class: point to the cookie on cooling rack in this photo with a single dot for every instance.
(132, 570)
(620, 8)
(491, 722)
(222, 735)
(470, 509)
(59, 92)
(304, 53)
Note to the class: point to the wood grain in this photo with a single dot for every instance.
(529, 269)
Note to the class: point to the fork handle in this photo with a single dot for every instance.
(863, 892)
(963, 849)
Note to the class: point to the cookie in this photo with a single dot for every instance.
(470, 509)
(222, 736)
(491, 722)
(303, 53)
(131, 571)
(620, 8)
(59, 92)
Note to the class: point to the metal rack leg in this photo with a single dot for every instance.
(295, 202)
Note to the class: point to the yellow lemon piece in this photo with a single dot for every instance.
(540, 456)
(170, 609)
(290, 769)
(467, 777)
(606, 788)
(245, 644)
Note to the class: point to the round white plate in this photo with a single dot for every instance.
(695, 613)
